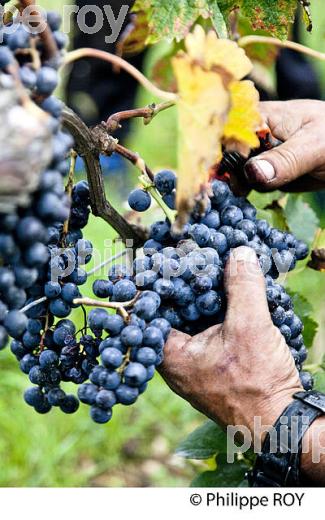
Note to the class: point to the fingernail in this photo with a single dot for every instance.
(245, 254)
(259, 171)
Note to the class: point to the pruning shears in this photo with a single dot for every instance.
(233, 163)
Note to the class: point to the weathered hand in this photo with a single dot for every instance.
(242, 368)
(299, 163)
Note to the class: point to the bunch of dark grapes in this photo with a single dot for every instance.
(128, 349)
(37, 250)
(177, 281)
(26, 232)
(43, 255)
(129, 353)
(194, 299)
(51, 353)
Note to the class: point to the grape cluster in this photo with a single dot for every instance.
(33, 266)
(177, 281)
(50, 352)
(128, 355)
(128, 350)
(25, 233)
(186, 269)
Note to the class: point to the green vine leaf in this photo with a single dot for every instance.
(218, 19)
(274, 216)
(319, 380)
(305, 311)
(226, 475)
(204, 442)
(171, 19)
(310, 330)
(273, 16)
(269, 208)
(301, 218)
(174, 19)
(262, 200)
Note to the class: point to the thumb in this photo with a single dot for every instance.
(303, 153)
(246, 291)
(173, 353)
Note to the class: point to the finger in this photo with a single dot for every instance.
(303, 153)
(306, 183)
(173, 351)
(272, 113)
(286, 118)
(246, 290)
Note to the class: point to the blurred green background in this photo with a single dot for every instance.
(136, 448)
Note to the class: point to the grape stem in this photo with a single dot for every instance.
(146, 179)
(120, 307)
(135, 159)
(33, 304)
(150, 187)
(85, 319)
(33, 53)
(244, 41)
(124, 35)
(126, 361)
(50, 47)
(36, 60)
(88, 52)
(148, 113)
(88, 147)
(46, 326)
(233, 23)
(68, 188)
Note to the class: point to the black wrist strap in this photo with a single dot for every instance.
(278, 465)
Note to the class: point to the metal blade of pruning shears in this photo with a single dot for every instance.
(233, 163)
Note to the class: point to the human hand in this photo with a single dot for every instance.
(299, 163)
(242, 368)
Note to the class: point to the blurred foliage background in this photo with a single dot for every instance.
(137, 447)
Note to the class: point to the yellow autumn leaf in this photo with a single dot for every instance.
(244, 118)
(214, 107)
(212, 52)
(202, 111)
